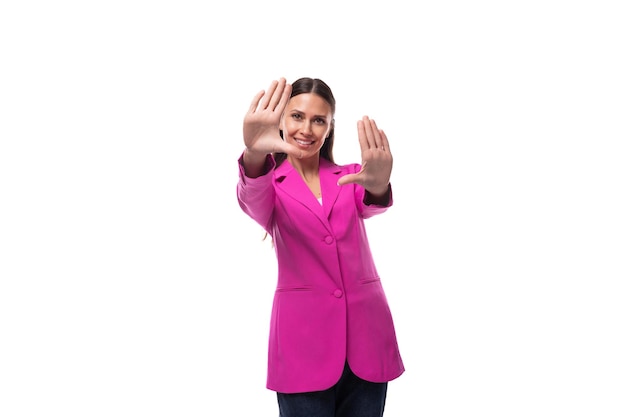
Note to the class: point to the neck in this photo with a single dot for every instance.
(308, 168)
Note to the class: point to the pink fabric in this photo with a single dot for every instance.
(329, 305)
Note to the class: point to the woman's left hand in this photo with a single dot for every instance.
(376, 159)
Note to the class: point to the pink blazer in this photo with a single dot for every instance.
(329, 305)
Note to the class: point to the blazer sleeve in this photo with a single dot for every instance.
(256, 195)
(369, 209)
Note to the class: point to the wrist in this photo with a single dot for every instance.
(254, 156)
(378, 192)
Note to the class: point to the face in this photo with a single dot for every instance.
(306, 122)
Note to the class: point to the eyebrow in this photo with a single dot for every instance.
(315, 115)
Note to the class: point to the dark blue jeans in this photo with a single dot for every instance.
(350, 397)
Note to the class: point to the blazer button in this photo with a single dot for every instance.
(338, 293)
(328, 239)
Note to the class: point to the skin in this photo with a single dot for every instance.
(307, 118)
(306, 122)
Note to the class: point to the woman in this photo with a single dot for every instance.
(332, 344)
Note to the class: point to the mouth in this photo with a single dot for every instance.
(304, 142)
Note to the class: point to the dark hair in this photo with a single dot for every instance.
(315, 86)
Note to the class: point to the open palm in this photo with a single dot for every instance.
(261, 131)
(376, 158)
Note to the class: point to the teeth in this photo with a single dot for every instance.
(301, 142)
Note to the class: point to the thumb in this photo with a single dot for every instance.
(348, 179)
(351, 178)
(289, 149)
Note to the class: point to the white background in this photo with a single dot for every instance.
(133, 285)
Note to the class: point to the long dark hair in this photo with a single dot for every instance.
(315, 86)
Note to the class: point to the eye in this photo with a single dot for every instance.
(296, 116)
(320, 121)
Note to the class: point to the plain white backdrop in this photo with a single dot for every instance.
(131, 284)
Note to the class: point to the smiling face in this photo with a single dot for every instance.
(306, 122)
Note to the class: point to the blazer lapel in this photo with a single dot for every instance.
(329, 175)
(290, 181)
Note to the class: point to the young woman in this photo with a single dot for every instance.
(332, 342)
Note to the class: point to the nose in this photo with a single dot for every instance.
(306, 127)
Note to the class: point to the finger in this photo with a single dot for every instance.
(348, 179)
(352, 178)
(286, 95)
(384, 141)
(284, 147)
(360, 126)
(371, 132)
(255, 101)
(277, 93)
(378, 142)
(265, 102)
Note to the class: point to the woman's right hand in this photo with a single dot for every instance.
(261, 124)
